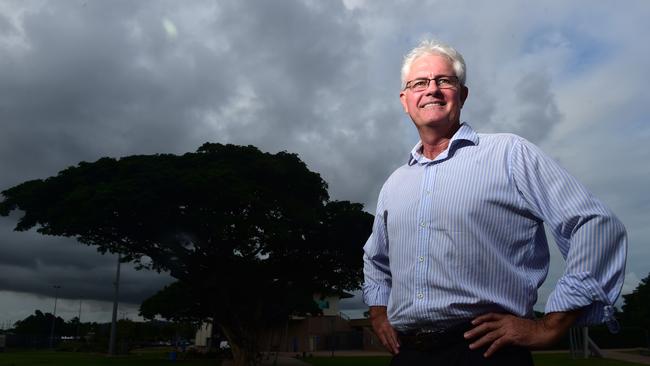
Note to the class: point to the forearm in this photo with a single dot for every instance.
(556, 324)
(496, 330)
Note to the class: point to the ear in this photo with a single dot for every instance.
(464, 93)
(402, 99)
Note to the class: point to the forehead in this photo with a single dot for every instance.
(431, 65)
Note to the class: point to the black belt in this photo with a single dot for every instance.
(431, 339)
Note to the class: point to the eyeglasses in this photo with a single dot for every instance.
(442, 82)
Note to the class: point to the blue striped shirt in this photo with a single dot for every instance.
(463, 235)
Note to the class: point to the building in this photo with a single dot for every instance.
(330, 331)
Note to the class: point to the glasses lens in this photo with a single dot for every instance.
(419, 84)
(446, 82)
(442, 82)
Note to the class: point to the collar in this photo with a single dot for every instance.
(464, 134)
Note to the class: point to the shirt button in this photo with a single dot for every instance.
(427, 192)
(422, 224)
(420, 296)
(421, 258)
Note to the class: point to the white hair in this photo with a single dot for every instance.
(434, 47)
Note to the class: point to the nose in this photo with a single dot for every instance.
(432, 88)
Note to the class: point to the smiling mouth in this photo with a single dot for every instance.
(433, 104)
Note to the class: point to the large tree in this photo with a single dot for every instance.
(249, 236)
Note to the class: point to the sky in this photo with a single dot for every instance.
(84, 79)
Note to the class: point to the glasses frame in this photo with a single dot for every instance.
(454, 79)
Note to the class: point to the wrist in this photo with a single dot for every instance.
(558, 323)
(377, 311)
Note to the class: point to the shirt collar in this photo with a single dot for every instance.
(464, 133)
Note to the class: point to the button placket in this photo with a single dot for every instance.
(423, 231)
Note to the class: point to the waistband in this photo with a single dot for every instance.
(427, 339)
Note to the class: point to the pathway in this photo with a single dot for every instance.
(625, 355)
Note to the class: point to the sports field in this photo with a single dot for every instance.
(158, 357)
(544, 359)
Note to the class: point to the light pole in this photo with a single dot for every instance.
(56, 297)
(116, 294)
(79, 320)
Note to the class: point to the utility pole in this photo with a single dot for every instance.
(79, 319)
(116, 284)
(56, 297)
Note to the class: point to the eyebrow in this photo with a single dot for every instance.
(435, 76)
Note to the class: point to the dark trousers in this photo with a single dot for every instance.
(459, 354)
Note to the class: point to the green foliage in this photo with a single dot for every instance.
(220, 201)
(636, 311)
(627, 337)
(40, 325)
(93, 337)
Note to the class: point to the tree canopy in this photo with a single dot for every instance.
(40, 324)
(250, 236)
(636, 309)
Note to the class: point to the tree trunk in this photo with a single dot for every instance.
(243, 344)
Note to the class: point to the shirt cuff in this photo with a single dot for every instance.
(582, 290)
(374, 295)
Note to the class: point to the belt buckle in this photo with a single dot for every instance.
(428, 337)
(429, 332)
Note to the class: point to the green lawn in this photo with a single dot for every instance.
(46, 358)
(349, 361)
(550, 359)
(546, 359)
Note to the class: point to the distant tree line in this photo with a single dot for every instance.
(34, 332)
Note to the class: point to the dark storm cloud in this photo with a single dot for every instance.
(536, 106)
(33, 263)
(534, 112)
(302, 88)
(75, 91)
(93, 79)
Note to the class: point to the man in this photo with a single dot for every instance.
(458, 248)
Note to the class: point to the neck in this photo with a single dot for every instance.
(436, 139)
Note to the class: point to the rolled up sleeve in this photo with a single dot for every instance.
(582, 290)
(589, 236)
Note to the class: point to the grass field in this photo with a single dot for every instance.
(546, 359)
(45, 358)
(550, 359)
